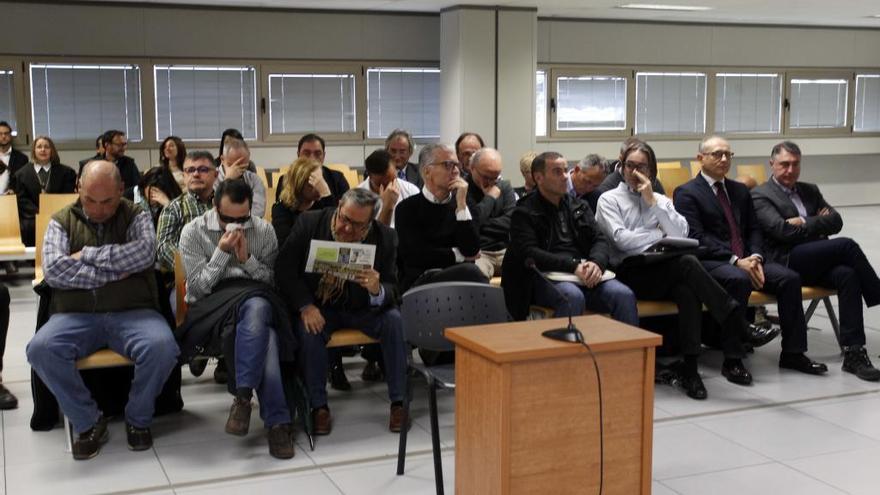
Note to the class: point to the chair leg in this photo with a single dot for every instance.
(810, 310)
(835, 325)
(435, 437)
(401, 448)
(68, 432)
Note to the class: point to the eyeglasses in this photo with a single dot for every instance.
(226, 219)
(719, 154)
(317, 155)
(641, 167)
(448, 164)
(202, 170)
(357, 226)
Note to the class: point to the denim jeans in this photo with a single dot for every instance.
(611, 297)
(142, 335)
(256, 359)
(386, 326)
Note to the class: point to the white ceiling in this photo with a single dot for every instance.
(853, 13)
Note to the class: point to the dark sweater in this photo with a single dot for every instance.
(428, 232)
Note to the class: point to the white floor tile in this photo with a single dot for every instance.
(355, 441)
(767, 479)
(854, 472)
(658, 488)
(858, 415)
(380, 478)
(299, 483)
(681, 450)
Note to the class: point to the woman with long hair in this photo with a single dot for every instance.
(304, 186)
(172, 153)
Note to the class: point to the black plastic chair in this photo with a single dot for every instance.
(427, 311)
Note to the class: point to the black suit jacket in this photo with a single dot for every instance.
(773, 207)
(697, 202)
(26, 184)
(492, 215)
(413, 176)
(130, 173)
(298, 288)
(17, 159)
(84, 161)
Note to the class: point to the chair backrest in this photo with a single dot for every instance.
(668, 165)
(180, 288)
(351, 175)
(671, 178)
(10, 230)
(49, 205)
(428, 310)
(261, 173)
(276, 176)
(758, 172)
(270, 200)
(695, 168)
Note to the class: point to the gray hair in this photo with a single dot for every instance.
(426, 155)
(234, 144)
(398, 133)
(706, 139)
(361, 198)
(592, 160)
(197, 155)
(789, 146)
(483, 152)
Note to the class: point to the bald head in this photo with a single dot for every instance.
(100, 190)
(486, 167)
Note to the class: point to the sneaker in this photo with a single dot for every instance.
(221, 376)
(857, 362)
(138, 438)
(239, 417)
(88, 443)
(280, 439)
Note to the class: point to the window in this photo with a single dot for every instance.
(590, 103)
(867, 111)
(200, 102)
(403, 98)
(818, 103)
(7, 100)
(79, 102)
(670, 103)
(305, 102)
(541, 103)
(748, 103)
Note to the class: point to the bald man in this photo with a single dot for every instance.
(98, 259)
(494, 201)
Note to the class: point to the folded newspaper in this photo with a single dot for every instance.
(342, 259)
(571, 277)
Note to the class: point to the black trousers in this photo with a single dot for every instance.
(4, 320)
(840, 264)
(780, 281)
(684, 280)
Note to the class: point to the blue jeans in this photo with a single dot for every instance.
(256, 359)
(386, 326)
(142, 335)
(608, 297)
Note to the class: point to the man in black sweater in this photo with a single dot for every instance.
(494, 201)
(438, 235)
(115, 144)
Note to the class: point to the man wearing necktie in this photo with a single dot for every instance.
(721, 216)
(796, 222)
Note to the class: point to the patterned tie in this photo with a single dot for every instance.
(401, 174)
(43, 175)
(736, 243)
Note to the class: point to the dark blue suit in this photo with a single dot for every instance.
(697, 202)
(837, 263)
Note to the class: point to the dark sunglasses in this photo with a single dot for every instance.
(226, 219)
(202, 170)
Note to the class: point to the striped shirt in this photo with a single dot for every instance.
(98, 265)
(179, 212)
(206, 264)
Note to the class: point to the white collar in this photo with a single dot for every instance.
(433, 199)
(711, 181)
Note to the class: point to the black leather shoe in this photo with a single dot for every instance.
(799, 361)
(88, 443)
(372, 372)
(138, 438)
(856, 361)
(338, 380)
(197, 366)
(759, 335)
(221, 376)
(8, 401)
(736, 372)
(693, 387)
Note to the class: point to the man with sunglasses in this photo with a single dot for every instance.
(721, 215)
(326, 302)
(229, 255)
(494, 201)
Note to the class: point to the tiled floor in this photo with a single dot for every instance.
(786, 434)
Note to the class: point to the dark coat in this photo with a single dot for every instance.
(699, 205)
(335, 181)
(17, 159)
(492, 215)
(413, 175)
(298, 288)
(773, 207)
(532, 226)
(26, 184)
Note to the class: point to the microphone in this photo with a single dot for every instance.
(568, 333)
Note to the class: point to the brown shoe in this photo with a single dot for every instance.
(322, 420)
(281, 441)
(239, 417)
(395, 423)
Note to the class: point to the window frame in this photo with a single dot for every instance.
(712, 93)
(846, 129)
(392, 65)
(554, 72)
(855, 133)
(22, 139)
(708, 125)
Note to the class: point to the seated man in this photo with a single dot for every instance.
(553, 232)
(796, 222)
(98, 259)
(465, 146)
(720, 215)
(383, 180)
(326, 303)
(493, 201)
(438, 235)
(229, 254)
(586, 177)
(615, 177)
(234, 163)
(634, 218)
(399, 144)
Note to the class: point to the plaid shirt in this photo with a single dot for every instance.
(179, 212)
(98, 265)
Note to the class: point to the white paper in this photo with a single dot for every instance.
(342, 259)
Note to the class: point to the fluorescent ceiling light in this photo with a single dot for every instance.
(657, 6)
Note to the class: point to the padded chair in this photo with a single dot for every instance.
(668, 165)
(351, 175)
(671, 178)
(261, 173)
(695, 168)
(758, 172)
(10, 229)
(427, 311)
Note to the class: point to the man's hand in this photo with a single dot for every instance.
(312, 319)
(752, 265)
(589, 273)
(237, 169)
(316, 180)
(460, 186)
(241, 247)
(472, 258)
(228, 241)
(77, 255)
(645, 188)
(796, 221)
(389, 194)
(369, 279)
(493, 191)
(825, 211)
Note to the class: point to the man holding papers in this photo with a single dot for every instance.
(362, 298)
